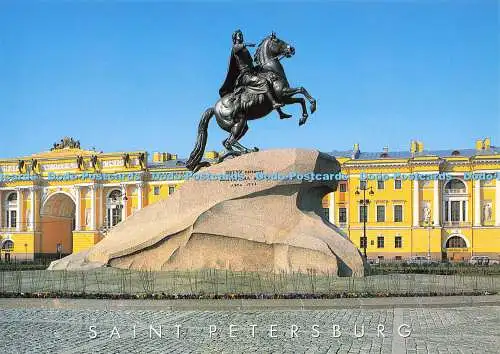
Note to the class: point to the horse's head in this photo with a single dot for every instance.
(272, 48)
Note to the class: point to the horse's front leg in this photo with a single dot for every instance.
(303, 91)
(292, 100)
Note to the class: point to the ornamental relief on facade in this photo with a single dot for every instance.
(47, 192)
(59, 166)
(426, 183)
(61, 207)
(112, 163)
(120, 163)
(8, 168)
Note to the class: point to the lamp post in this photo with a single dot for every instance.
(364, 203)
(430, 225)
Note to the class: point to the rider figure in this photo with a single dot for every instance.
(242, 73)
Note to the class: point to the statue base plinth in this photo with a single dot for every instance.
(250, 225)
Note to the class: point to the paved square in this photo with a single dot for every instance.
(58, 327)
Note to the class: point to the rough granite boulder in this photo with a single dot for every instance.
(251, 225)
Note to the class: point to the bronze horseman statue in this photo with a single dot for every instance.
(250, 92)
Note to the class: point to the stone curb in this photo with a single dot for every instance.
(255, 305)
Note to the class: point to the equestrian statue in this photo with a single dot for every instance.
(252, 89)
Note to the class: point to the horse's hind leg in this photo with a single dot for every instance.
(291, 100)
(241, 147)
(237, 131)
(290, 91)
(230, 142)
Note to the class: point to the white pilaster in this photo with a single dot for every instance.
(140, 195)
(102, 202)
(78, 206)
(19, 209)
(497, 202)
(33, 201)
(92, 207)
(124, 201)
(477, 202)
(416, 204)
(435, 209)
(331, 207)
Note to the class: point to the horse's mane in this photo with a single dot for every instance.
(258, 51)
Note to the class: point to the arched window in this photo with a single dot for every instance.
(114, 206)
(11, 210)
(7, 245)
(456, 242)
(455, 201)
(455, 185)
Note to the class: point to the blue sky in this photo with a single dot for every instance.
(132, 76)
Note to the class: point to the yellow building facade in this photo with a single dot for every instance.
(441, 204)
(438, 204)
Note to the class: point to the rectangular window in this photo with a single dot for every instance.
(398, 213)
(362, 184)
(363, 217)
(397, 184)
(156, 190)
(380, 213)
(362, 242)
(171, 190)
(464, 210)
(380, 184)
(11, 218)
(398, 258)
(342, 215)
(342, 187)
(455, 210)
(380, 242)
(116, 215)
(446, 207)
(398, 242)
(326, 213)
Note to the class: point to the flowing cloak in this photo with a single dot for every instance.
(232, 75)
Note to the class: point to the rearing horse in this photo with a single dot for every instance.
(234, 110)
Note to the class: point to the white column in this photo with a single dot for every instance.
(78, 206)
(124, 201)
(32, 216)
(497, 202)
(477, 202)
(416, 204)
(19, 209)
(101, 206)
(140, 190)
(331, 207)
(92, 207)
(436, 212)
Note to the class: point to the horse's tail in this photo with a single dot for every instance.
(201, 140)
